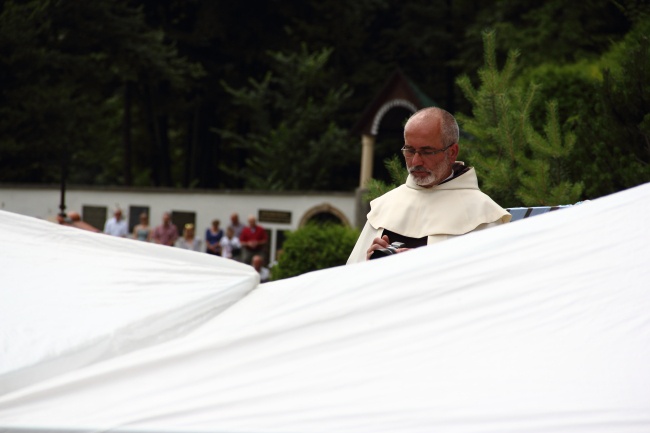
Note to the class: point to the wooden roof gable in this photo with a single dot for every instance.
(398, 91)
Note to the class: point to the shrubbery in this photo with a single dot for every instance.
(313, 247)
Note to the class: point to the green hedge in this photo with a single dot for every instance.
(313, 247)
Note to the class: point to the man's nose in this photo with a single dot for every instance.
(417, 159)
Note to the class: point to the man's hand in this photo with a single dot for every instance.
(379, 243)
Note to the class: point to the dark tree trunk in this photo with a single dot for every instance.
(126, 135)
(158, 127)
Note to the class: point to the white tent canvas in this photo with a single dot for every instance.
(542, 325)
(70, 298)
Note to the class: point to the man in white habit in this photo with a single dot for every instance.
(440, 198)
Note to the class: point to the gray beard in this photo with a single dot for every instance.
(425, 181)
(433, 177)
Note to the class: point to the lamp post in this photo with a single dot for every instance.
(64, 174)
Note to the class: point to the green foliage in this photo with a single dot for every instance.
(63, 66)
(313, 247)
(516, 164)
(545, 180)
(571, 85)
(619, 143)
(627, 93)
(398, 173)
(373, 37)
(604, 103)
(292, 142)
(557, 30)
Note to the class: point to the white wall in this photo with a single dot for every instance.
(208, 205)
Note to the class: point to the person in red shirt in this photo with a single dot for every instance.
(253, 239)
(166, 233)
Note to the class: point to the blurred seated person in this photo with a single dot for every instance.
(230, 246)
(258, 263)
(117, 226)
(188, 241)
(74, 219)
(213, 237)
(253, 239)
(166, 233)
(235, 224)
(142, 231)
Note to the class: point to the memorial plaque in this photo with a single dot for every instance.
(274, 216)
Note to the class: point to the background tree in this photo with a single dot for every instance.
(604, 102)
(622, 140)
(517, 164)
(134, 89)
(396, 167)
(553, 30)
(65, 64)
(293, 140)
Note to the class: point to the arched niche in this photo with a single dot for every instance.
(389, 136)
(322, 213)
(398, 95)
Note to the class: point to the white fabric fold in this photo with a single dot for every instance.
(541, 325)
(70, 297)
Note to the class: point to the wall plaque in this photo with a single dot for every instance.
(274, 216)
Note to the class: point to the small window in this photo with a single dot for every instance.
(95, 216)
(180, 218)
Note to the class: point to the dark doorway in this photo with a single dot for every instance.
(389, 140)
(324, 218)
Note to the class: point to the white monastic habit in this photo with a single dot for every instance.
(452, 208)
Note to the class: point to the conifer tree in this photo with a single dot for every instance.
(293, 141)
(398, 174)
(516, 164)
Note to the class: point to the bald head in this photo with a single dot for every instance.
(435, 122)
(430, 146)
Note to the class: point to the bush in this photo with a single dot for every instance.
(313, 247)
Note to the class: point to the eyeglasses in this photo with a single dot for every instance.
(409, 152)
